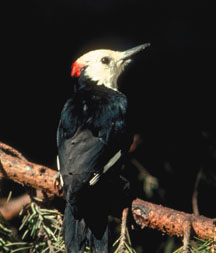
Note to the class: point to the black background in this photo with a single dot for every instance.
(170, 86)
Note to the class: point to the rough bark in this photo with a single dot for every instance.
(171, 221)
(17, 168)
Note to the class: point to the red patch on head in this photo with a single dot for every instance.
(76, 68)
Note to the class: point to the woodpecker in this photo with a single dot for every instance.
(92, 141)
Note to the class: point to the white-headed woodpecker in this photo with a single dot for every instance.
(92, 140)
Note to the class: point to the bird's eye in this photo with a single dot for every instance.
(105, 60)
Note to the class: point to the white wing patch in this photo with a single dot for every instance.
(95, 179)
(58, 168)
(110, 163)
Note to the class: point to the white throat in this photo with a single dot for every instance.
(112, 86)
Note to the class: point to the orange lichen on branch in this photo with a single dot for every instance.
(171, 221)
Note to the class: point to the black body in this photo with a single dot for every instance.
(91, 131)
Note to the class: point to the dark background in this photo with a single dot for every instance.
(170, 85)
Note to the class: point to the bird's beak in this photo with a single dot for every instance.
(126, 55)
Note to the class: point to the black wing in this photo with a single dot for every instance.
(91, 132)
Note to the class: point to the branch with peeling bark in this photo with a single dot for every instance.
(14, 166)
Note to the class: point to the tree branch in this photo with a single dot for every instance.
(170, 221)
(167, 220)
(20, 170)
(12, 208)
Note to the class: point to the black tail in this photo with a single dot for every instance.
(78, 232)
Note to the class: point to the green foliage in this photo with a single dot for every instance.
(204, 246)
(200, 246)
(127, 245)
(40, 232)
(40, 229)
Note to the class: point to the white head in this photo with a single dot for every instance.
(104, 66)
